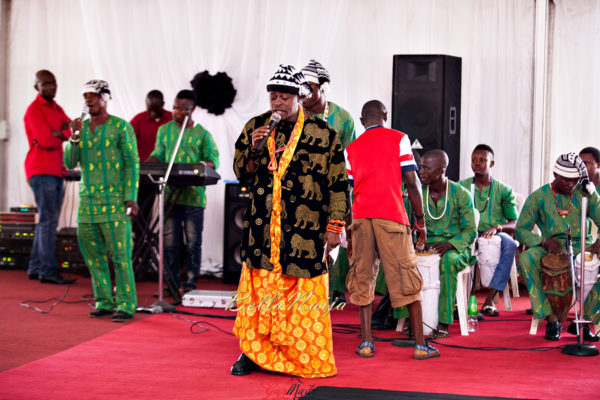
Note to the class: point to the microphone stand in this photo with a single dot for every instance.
(161, 305)
(580, 349)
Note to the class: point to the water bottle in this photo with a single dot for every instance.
(472, 323)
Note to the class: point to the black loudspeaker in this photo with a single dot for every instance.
(426, 104)
(237, 198)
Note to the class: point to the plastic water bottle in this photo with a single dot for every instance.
(472, 323)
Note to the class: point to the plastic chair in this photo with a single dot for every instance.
(534, 325)
(462, 292)
(463, 279)
(535, 322)
(514, 277)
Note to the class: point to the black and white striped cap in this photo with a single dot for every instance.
(567, 165)
(288, 79)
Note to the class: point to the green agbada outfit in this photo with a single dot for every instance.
(540, 209)
(197, 144)
(342, 123)
(457, 226)
(495, 209)
(109, 177)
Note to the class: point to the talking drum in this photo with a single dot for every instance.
(488, 257)
(429, 267)
(590, 275)
(557, 283)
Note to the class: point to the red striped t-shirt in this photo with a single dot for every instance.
(376, 161)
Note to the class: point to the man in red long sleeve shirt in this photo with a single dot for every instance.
(145, 126)
(47, 126)
(146, 123)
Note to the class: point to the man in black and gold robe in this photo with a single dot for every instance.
(299, 195)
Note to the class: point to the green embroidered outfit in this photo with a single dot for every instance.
(109, 177)
(197, 144)
(496, 203)
(457, 226)
(541, 209)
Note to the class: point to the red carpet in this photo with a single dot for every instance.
(158, 357)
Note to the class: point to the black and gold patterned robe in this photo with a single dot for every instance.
(314, 190)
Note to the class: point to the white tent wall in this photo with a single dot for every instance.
(575, 116)
(151, 44)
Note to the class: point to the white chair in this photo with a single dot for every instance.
(462, 292)
(534, 325)
(514, 279)
(463, 280)
(535, 322)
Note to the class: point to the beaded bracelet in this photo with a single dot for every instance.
(337, 222)
(336, 226)
(420, 228)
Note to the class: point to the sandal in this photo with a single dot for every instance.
(425, 352)
(439, 334)
(361, 346)
(490, 311)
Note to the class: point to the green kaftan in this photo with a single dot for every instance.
(541, 209)
(457, 226)
(109, 177)
(197, 144)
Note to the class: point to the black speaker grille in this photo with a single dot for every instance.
(236, 201)
(426, 103)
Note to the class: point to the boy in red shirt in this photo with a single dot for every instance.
(379, 160)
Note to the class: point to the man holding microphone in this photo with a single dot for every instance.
(105, 148)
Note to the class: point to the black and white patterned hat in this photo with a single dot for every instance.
(288, 79)
(315, 72)
(570, 165)
(97, 86)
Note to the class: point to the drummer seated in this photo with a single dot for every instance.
(498, 215)
(553, 208)
(451, 230)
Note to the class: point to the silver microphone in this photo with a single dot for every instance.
(84, 112)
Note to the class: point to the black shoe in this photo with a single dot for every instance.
(243, 366)
(121, 316)
(587, 333)
(33, 276)
(99, 312)
(57, 279)
(553, 330)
